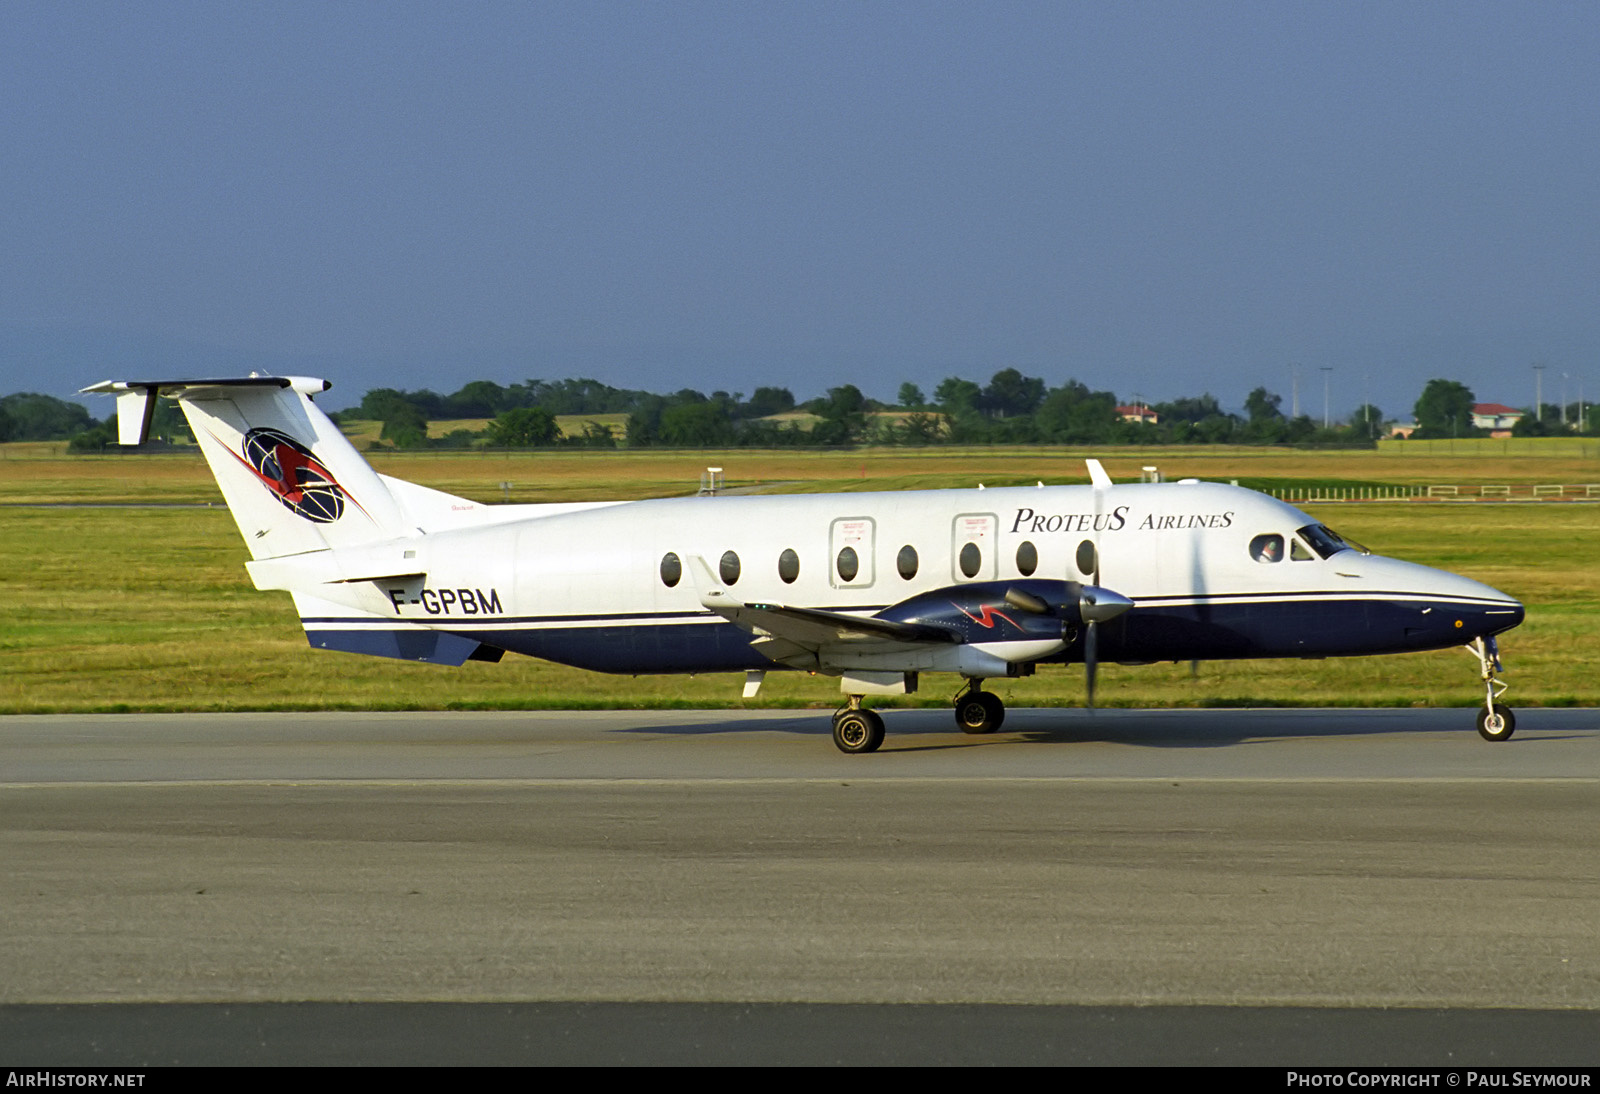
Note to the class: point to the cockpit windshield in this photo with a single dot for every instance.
(1327, 542)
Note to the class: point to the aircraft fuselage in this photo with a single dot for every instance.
(615, 587)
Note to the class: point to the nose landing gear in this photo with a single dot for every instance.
(1496, 722)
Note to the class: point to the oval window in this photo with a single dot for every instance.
(971, 560)
(1027, 558)
(906, 562)
(671, 570)
(1087, 562)
(1267, 548)
(788, 566)
(730, 568)
(849, 564)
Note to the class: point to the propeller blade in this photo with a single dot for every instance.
(1090, 662)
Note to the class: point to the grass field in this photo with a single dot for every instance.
(44, 474)
(150, 608)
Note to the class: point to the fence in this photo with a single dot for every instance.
(1582, 491)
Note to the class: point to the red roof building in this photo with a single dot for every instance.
(1495, 415)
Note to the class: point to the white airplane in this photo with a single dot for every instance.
(875, 589)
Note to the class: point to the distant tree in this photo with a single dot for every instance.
(594, 435)
(768, 401)
(919, 428)
(844, 416)
(955, 395)
(35, 417)
(405, 427)
(478, 399)
(644, 423)
(1262, 405)
(382, 403)
(1216, 428)
(1367, 420)
(1194, 409)
(1010, 394)
(911, 396)
(456, 438)
(1072, 414)
(524, 427)
(1445, 410)
(97, 438)
(705, 424)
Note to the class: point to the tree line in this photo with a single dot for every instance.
(1011, 409)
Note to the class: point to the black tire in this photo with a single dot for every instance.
(857, 731)
(980, 712)
(1500, 727)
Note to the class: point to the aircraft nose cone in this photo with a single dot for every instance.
(1499, 618)
(1483, 609)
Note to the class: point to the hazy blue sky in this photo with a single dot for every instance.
(1153, 198)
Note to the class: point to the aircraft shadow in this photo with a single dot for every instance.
(910, 730)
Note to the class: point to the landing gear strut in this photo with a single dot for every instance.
(1495, 720)
(979, 711)
(856, 729)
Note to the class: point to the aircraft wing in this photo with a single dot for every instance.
(816, 627)
(794, 636)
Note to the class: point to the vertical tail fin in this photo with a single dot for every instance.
(292, 481)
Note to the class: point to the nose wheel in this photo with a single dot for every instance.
(1496, 722)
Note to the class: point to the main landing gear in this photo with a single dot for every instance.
(979, 711)
(1495, 720)
(856, 729)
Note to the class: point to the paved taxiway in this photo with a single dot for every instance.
(1346, 858)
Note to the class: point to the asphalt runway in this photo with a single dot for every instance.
(1193, 875)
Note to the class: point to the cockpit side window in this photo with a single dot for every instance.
(1299, 551)
(1267, 547)
(1326, 542)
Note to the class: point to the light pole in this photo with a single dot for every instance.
(1538, 393)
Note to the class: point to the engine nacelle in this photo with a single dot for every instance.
(1010, 611)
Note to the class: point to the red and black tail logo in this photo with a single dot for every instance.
(288, 469)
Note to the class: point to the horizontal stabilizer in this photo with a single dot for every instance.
(293, 482)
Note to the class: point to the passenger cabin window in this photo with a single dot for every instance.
(906, 562)
(971, 560)
(730, 568)
(1087, 562)
(1267, 548)
(849, 564)
(671, 570)
(788, 566)
(1027, 558)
